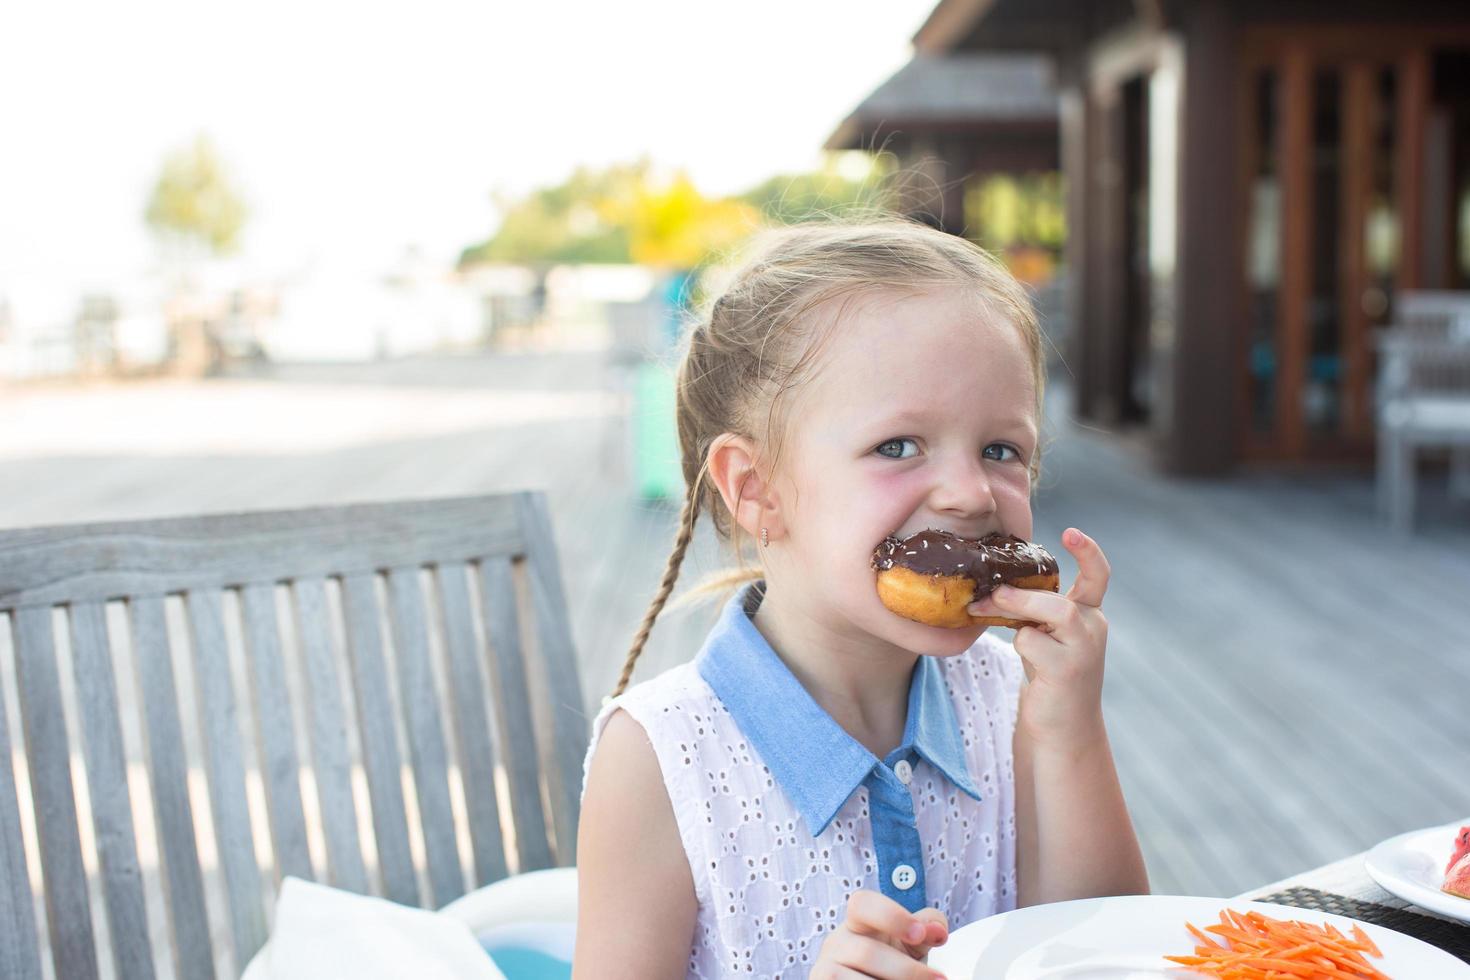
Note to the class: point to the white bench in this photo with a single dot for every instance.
(1423, 398)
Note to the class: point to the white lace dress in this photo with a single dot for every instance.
(769, 891)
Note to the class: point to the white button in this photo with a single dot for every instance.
(903, 771)
(904, 877)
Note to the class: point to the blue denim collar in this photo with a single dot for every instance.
(816, 763)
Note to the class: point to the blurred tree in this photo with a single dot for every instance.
(625, 213)
(673, 224)
(563, 223)
(1021, 219)
(197, 213)
(628, 213)
(194, 205)
(846, 183)
(1003, 211)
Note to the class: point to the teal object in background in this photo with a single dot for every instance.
(531, 950)
(656, 470)
(520, 963)
(676, 299)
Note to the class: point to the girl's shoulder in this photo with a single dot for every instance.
(676, 692)
(665, 706)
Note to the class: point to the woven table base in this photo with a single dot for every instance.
(1453, 939)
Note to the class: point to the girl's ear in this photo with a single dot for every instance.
(747, 491)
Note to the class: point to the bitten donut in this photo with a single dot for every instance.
(930, 577)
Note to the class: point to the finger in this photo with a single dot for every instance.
(1040, 652)
(934, 919)
(936, 932)
(1093, 570)
(874, 914)
(929, 916)
(1047, 608)
(984, 611)
(872, 957)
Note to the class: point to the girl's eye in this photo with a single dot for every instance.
(898, 448)
(1003, 448)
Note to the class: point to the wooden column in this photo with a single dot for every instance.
(1076, 119)
(1413, 107)
(1249, 162)
(1196, 434)
(1110, 215)
(1295, 139)
(1357, 190)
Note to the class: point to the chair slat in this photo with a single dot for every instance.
(68, 913)
(570, 725)
(50, 565)
(193, 951)
(476, 754)
(107, 786)
(276, 731)
(20, 955)
(425, 736)
(380, 754)
(234, 841)
(330, 757)
(513, 713)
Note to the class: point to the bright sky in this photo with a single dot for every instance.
(357, 130)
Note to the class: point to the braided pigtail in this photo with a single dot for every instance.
(671, 574)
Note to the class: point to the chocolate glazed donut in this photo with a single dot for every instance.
(930, 577)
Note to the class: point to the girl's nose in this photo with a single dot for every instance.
(964, 489)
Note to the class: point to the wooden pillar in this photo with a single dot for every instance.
(1076, 119)
(1440, 224)
(1413, 108)
(1356, 190)
(1197, 435)
(1249, 152)
(1295, 139)
(1109, 216)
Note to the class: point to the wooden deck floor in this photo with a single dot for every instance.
(1282, 679)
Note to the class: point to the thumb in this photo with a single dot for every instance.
(936, 932)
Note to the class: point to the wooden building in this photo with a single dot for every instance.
(1249, 185)
(951, 122)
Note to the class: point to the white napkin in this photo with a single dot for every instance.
(322, 932)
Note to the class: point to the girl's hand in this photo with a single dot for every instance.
(882, 940)
(1062, 705)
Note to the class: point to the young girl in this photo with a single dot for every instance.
(828, 788)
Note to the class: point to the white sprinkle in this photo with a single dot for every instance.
(924, 542)
(948, 548)
(911, 552)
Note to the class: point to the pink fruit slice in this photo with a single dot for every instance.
(1461, 848)
(1457, 880)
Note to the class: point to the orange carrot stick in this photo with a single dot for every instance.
(1254, 946)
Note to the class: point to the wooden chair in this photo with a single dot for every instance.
(236, 644)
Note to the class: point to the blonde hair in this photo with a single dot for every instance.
(753, 343)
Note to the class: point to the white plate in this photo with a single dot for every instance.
(1411, 866)
(1127, 938)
